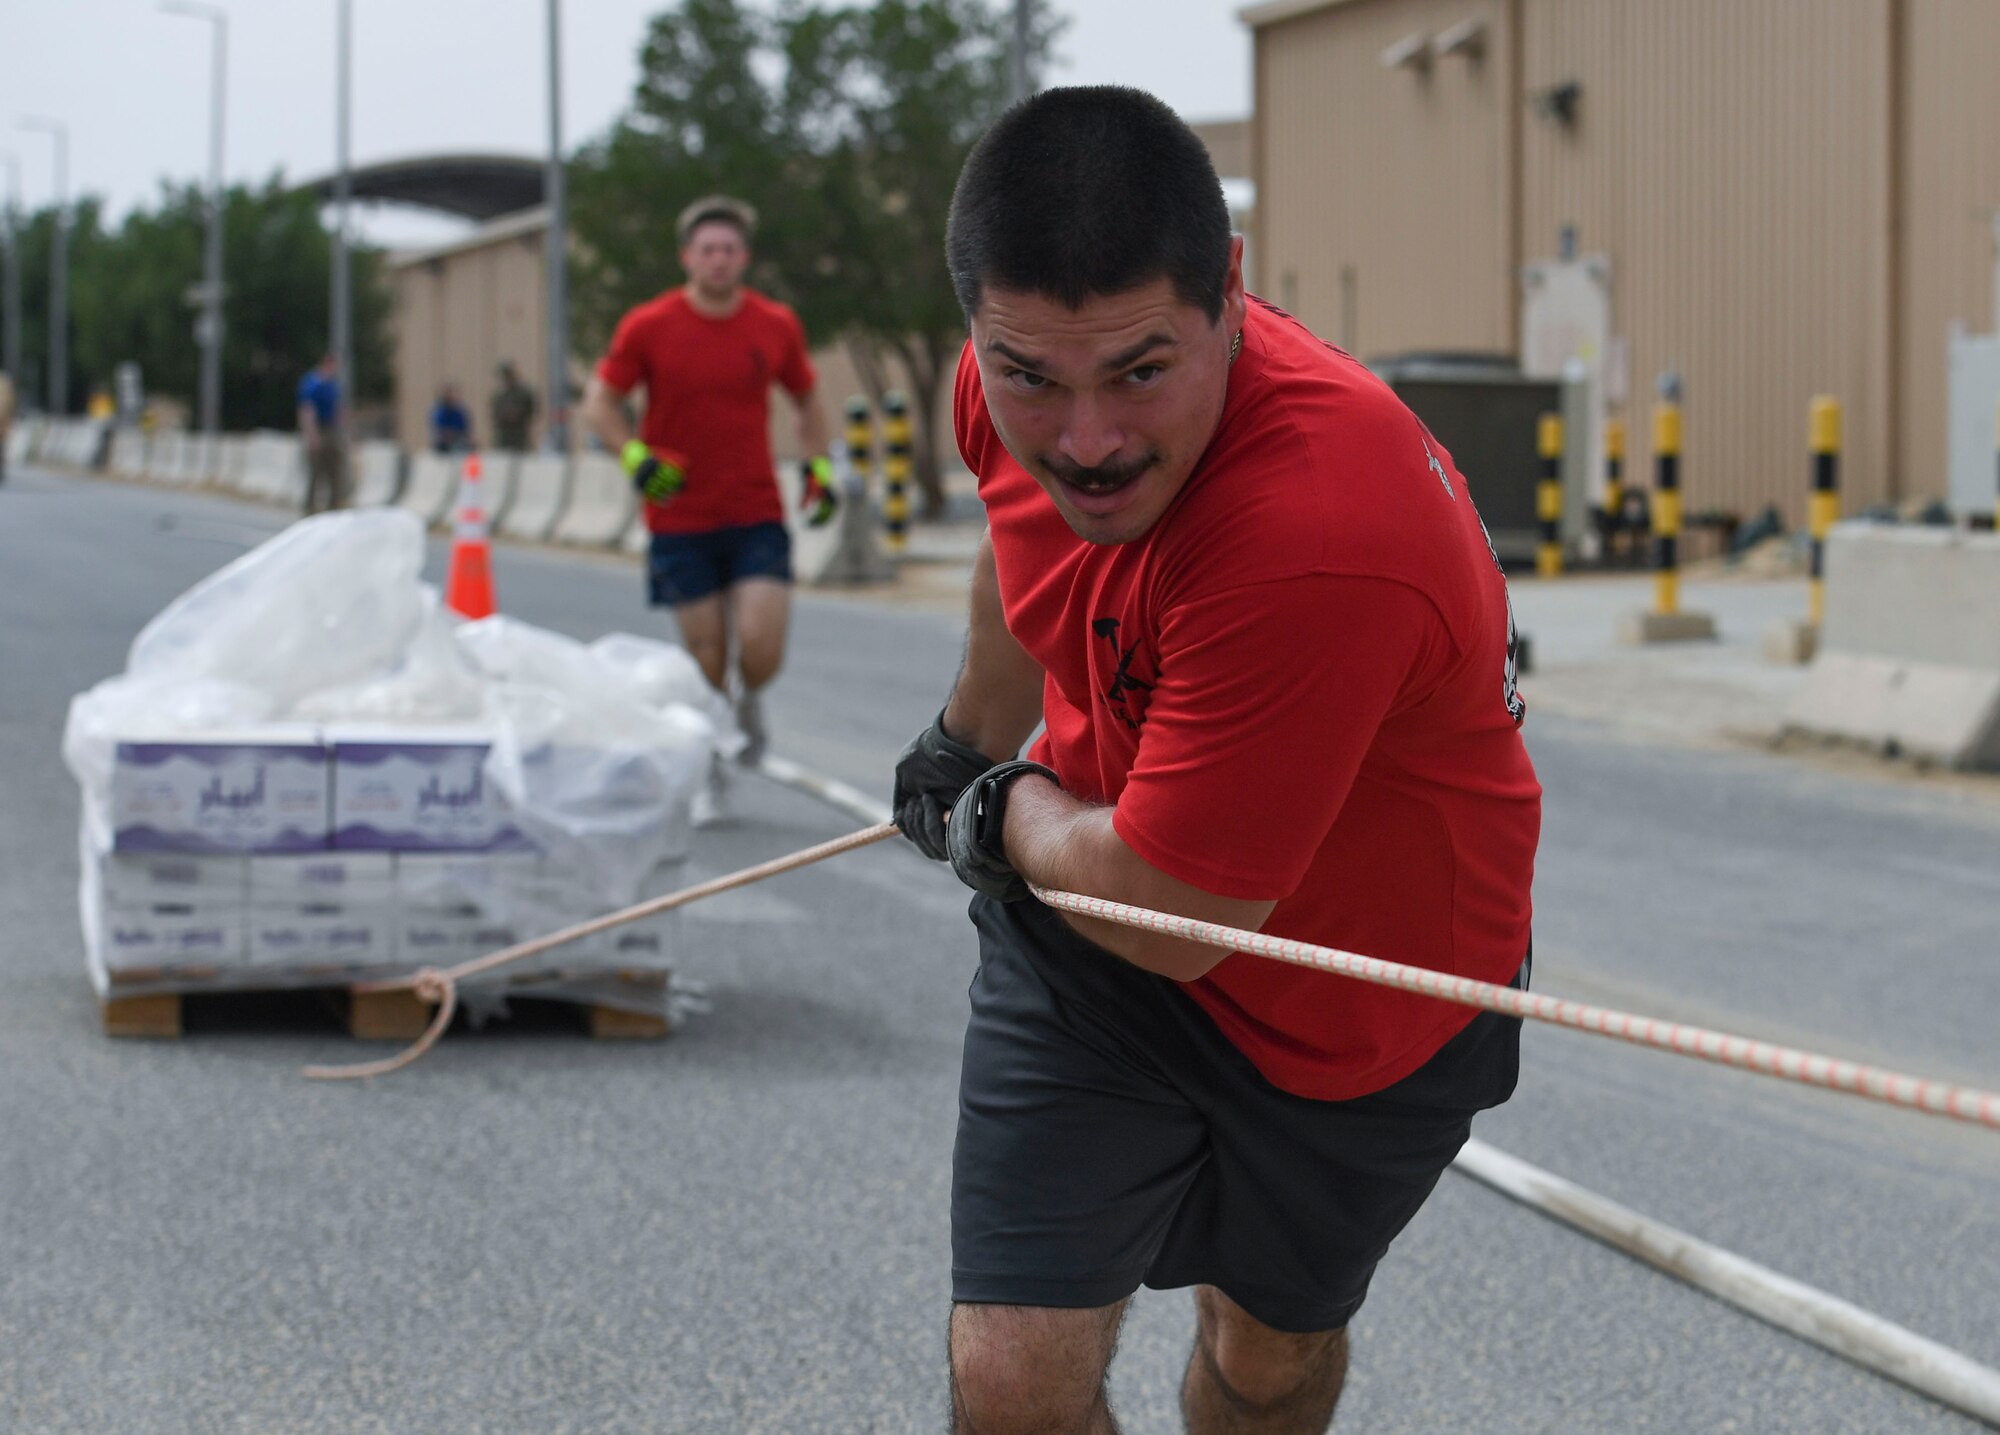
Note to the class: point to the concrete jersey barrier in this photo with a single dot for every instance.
(432, 483)
(377, 470)
(274, 468)
(537, 502)
(128, 453)
(21, 440)
(601, 503)
(1909, 657)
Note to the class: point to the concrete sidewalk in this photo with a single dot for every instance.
(1724, 690)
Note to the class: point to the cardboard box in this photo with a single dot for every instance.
(253, 792)
(440, 938)
(417, 791)
(349, 879)
(168, 934)
(507, 883)
(316, 935)
(144, 879)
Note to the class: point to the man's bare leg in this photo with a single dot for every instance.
(1244, 1378)
(704, 626)
(1031, 1370)
(760, 611)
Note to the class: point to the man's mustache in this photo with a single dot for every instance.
(1100, 475)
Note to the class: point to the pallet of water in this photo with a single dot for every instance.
(298, 857)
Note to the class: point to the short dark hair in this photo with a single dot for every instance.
(713, 209)
(1086, 191)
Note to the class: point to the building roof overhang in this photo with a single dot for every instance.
(1270, 12)
(472, 186)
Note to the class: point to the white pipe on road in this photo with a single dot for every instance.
(1812, 1315)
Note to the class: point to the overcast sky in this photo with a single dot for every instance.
(436, 75)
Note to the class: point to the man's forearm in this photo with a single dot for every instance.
(1059, 842)
(604, 411)
(997, 700)
(814, 435)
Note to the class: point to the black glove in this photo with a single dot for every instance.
(974, 834)
(930, 774)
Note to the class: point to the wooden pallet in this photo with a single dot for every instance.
(373, 1016)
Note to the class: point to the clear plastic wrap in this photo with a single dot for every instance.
(312, 772)
(331, 600)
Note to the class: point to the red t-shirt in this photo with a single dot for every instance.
(1297, 687)
(708, 393)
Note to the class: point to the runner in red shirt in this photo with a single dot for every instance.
(707, 355)
(1250, 598)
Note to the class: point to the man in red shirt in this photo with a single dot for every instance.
(1248, 596)
(707, 354)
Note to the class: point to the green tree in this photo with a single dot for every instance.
(128, 301)
(846, 127)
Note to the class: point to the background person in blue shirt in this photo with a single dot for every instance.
(451, 425)
(320, 428)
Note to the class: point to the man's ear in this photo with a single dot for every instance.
(1234, 306)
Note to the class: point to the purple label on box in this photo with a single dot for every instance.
(219, 797)
(419, 797)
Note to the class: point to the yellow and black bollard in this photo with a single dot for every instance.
(1614, 481)
(860, 440)
(1824, 509)
(1665, 622)
(1667, 507)
(896, 471)
(1549, 497)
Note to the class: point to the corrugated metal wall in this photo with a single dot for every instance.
(1733, 160)
(1382, 195)
(1952, 184)
(458, 315)
(1792, 193)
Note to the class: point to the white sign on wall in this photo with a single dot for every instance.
(1566, 334)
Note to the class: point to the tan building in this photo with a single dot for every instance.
(1783, 197)
(460, 308)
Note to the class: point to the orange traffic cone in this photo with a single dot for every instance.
(468, 586)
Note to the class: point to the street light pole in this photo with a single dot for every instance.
(10, 290)
(556, 249)
(58, 395)
(341, 323)
(211, 287)
(1020, 86)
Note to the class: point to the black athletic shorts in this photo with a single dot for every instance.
(1110, 1136)
(686, 567)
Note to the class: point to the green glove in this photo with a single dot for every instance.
(817, 500)
(657, 475)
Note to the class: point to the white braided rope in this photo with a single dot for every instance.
(1960, 1103)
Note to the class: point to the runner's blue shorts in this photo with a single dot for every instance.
(687, 567)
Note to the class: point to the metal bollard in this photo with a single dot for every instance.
(1614, 481)
(1549, 497)
(896, 471)
(1667, 507)
(1823, 429)
(860, 442)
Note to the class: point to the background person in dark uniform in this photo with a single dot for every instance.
(513, 411)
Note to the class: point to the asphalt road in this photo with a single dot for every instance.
(742, 1228)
